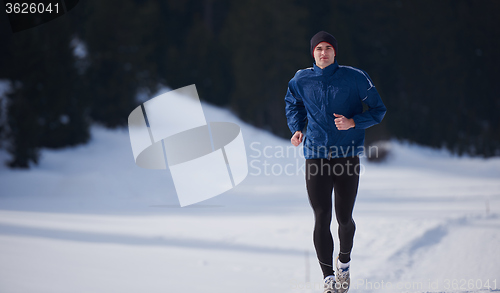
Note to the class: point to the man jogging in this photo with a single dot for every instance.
(330, 98)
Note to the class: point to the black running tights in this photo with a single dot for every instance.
(342, 176)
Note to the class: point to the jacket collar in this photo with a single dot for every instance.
(329, 70)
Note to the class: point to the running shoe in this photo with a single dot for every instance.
(342, 278)
(329, 286)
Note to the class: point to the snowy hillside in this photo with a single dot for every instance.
(87, 219)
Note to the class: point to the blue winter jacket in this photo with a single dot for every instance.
(315, 94)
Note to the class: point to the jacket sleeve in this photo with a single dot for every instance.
(376, 108)
(296, 114)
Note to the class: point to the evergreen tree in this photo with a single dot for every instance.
(43, 110)
(268, 43)
(119, 42)
(190, 49)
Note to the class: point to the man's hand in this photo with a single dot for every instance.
(297, 138)
(343, 123)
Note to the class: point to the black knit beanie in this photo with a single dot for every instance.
(323, 36)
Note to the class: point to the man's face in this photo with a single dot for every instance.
(324, 54)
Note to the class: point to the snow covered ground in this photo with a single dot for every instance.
(87, 219)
